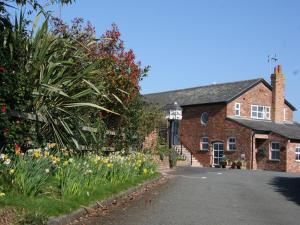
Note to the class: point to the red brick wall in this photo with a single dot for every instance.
(217, 129)
(258, 95)
(278, 95)
(292, 164)
(265, 163)
(150, 141)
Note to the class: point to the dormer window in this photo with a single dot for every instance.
(237, 109)
(260, 112)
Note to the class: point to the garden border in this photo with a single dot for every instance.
(69, 218)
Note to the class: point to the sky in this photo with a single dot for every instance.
(191, 43)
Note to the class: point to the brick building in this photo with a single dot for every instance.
(249, 120)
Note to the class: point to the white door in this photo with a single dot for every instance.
(218, 152)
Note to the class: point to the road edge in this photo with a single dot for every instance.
(69, 218)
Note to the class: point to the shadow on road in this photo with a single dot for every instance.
(288, 187)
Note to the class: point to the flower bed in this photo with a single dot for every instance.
(47, 183)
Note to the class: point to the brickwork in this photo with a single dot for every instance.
(217, 130)
(258, 95)
(278, 95)
(265, 162)
(150, 141)
(292, 164)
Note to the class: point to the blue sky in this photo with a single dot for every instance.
(191, 42)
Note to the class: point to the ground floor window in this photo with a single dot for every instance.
(204, 143)
(275, 151)
(298, 153)
(231, 144)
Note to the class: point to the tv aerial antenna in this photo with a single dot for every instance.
(272, 59)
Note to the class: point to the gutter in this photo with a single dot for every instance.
(252, 150)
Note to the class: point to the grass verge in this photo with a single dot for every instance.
(36, 210)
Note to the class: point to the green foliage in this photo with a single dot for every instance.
(172, 158)
(30, 176)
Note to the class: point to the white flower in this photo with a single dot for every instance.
(7, 162)
(89, 171)
(2, 156)
(47, 170)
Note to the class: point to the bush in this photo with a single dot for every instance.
(172, 158)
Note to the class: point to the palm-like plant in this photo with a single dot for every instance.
(62, 95)
(57, 79)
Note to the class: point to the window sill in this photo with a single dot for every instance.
(297, 161)
(203, 150)
(231, 150)
(274, 160)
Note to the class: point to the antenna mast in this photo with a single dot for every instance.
(272, 59)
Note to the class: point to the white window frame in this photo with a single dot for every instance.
(265, 113)
(297, 153)
(230, 143)
(202, 142)
(274, 150)
(237, 108)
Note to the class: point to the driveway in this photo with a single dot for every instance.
(211, 196)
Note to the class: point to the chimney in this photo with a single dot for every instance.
(278, 95)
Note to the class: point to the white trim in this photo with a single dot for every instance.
(202, 142)
(297, 153)
(274, 150)
(218, 150)
(231, 143)
(266, 112)
(237, 108)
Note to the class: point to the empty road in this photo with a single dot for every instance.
(211, 196)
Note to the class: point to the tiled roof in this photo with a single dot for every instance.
(215, 93)
(291, 131)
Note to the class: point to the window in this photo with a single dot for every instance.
(237, 109)
(298, 153)
(204, 143)
(260, 112)
(275, 151)
(204, 118)
(231, 144)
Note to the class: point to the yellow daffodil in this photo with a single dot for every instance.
(2, 194)
(46, 153)
(37, 153)
(12, 171)
(110, 165)
(145, 171)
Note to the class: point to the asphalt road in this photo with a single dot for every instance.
(214, 196)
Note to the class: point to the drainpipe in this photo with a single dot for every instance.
(252, 150)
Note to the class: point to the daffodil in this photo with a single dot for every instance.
(2, 194)
(46, 153)
(145, 171)
(110, 165)
(12, 171)
(37, 153)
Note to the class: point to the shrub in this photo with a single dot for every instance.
(172, 158)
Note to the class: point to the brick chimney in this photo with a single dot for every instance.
(278, 95)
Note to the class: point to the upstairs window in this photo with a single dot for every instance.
(231, 146)
(204, 118)
(237, 109)
(298, 153)
(204, 143)
(260, 112)
(275, 151)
